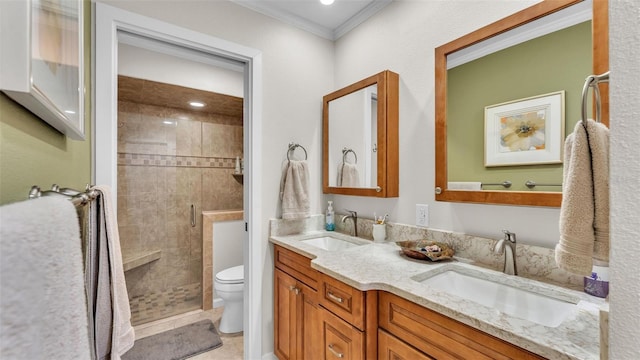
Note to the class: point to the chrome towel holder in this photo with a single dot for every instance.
(592, 81)
(345, 152)
(292, 147)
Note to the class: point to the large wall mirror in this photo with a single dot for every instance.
(508, 94)
(360, 138)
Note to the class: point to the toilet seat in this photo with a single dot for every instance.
(233, 275)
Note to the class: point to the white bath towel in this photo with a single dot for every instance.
(294, 190)
(464, 185)
(584, 213)
(44, 313)
(348, 175)
(111, 297)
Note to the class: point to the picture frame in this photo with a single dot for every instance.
(527, 131)
(42, 60)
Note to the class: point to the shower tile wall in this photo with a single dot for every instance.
(168, 160)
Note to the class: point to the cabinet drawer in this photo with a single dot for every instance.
(439, 336)
(392, 348)
(296, 265)
(340, 339)
(343, 300)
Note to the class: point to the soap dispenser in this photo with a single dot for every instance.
(330, 224)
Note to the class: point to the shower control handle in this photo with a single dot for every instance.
(193, 215)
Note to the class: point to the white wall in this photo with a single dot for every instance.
(624, 317)
(228, 246)
(151, 65)
(297, 72)
(402, 38)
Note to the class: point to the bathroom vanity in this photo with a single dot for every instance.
(368, 301)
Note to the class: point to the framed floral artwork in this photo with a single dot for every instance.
(41, 60)
(527, 131)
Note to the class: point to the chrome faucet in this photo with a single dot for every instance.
(353, 216)
(508, 245)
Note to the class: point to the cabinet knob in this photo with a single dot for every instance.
(335, 353)
(294, 289)
(334, 298)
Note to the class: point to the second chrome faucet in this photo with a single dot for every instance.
(354, 217)
(508, 246)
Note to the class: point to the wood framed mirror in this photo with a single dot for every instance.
(599, 52)
(360, 138)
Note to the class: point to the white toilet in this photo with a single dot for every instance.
(229, 286)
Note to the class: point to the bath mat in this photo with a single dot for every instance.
(176, 344)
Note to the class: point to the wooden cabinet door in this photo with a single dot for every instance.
(309, 325)
(296, 319)
(340, 340)
(391, 348)
(285, 316)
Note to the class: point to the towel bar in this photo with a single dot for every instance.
(78, 198)
(531, 184)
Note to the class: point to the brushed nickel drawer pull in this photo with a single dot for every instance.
(193, 215)
(334, 298)
(335, 353)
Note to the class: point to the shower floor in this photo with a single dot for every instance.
(155, 306)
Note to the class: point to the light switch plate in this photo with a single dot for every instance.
(422, 215)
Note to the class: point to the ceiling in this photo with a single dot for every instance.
(330, 22)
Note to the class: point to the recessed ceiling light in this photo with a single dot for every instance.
(326, 2)
(196, 104)
(70, 111)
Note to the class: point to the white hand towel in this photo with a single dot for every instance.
(584, 213)
(44, 312)
(294, 190)
(112, 299)
(348, 175)
(464, 185)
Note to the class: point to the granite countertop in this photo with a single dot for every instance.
(381, 266)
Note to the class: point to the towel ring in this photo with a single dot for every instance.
(292, 147)
(592, 81)
(345, 152)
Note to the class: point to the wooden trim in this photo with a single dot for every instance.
(392, 348)
(392, 140)
(601, 52)
(388, 119)
(371, 324)
(350, 307)
(600, 60)
(346, 339)
(440, 336)
(296, 265)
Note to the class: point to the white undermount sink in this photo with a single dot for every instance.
(330, 243)
(520, 303)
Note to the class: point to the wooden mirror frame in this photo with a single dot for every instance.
(600, 39)
(388, 109)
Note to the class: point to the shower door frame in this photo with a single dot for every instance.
(108, 21)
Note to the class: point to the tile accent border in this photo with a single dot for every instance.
(208, 220)
(175, 161)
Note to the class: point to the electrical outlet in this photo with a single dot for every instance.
(422, 215)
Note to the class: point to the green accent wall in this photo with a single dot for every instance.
(34, 153)
(554, 62)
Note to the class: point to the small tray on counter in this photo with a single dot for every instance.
(419, 249)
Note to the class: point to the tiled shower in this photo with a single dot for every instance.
(173, 163)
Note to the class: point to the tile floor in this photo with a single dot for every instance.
(232, 344)
(154, 306)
